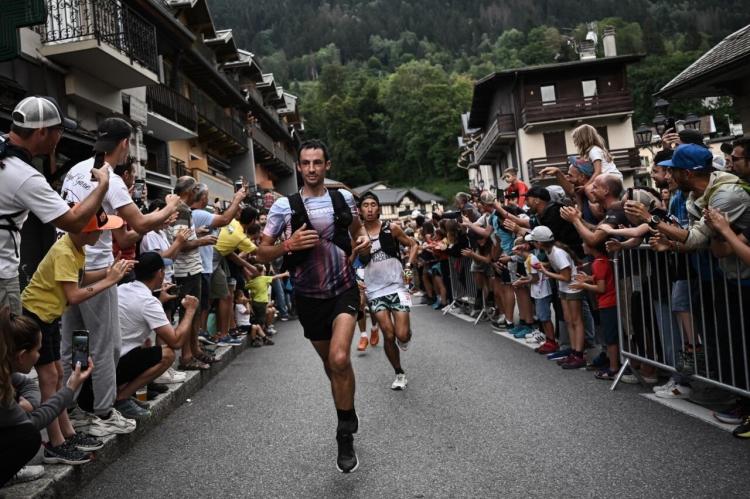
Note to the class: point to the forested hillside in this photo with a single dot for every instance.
(384, 81)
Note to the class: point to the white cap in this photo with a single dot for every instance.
(718, 163)
(40, 112)
(540, 234)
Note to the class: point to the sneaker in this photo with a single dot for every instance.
(363, 342)
(677, 392)
(536, 337)
(403, 345)
(575, 361)
(548, 347)
(742, 431)
(521, 332)
(144, 405)
(205, 338)
(116, 424)
(64, 454)
(628, 377)
(80, 418)
(84, 442)
(171, 376)
(284, 318)
(347, 461)
(228, 341)
(27, 474)
(267, 342)
(400, 382)
(131, 410)
(732, 416)
(665, 387)
(374, 336)
(559, 354)
(606, 374)
(271, 330)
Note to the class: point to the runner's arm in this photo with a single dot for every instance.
(407, 241)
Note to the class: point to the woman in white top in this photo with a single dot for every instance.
(591, 147)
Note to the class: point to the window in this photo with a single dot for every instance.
(589, 88)
(548, 94)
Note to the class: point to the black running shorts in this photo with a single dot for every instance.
(317, 315)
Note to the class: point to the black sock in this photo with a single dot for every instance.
(348, 415)
(399, 371)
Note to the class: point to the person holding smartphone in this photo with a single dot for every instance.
(22, 417)
(54, 286)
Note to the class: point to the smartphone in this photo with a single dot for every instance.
(81, 348)
(138, 189)
(238, 184)
(176, 290)
(224, 205)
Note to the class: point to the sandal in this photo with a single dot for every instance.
(193, 365)
(205, 358)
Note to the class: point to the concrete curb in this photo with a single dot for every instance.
(66, 481)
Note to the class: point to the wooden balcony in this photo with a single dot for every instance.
(272, 152)
(502, 131)
(625, 159)
(561, 109)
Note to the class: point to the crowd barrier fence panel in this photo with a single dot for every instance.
(716, 350)
(464, 287)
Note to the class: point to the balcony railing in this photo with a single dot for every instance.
(503, 126)
(106, 21)
(577, 107)
(624, 159)
(172, 105)
(177, 167)
(274, 149)
(217, 116)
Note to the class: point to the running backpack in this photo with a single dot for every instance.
(342, 219)
(387, 242)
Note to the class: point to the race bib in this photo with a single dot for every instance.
(405, 298)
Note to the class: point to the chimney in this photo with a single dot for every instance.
(608, 40)
(587, 50)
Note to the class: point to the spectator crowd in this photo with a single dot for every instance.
(150, 286)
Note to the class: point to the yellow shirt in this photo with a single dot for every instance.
(259, 288)
(44, 295)
(231, 238)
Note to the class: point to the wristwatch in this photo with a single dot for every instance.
(654, 221)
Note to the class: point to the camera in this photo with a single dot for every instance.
(81, 348)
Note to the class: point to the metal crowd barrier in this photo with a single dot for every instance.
(713, 305)
(463, 287)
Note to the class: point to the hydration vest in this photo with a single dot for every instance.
(8, 221)
(342, 219)
(388, 243)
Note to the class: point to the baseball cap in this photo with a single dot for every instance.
(148, 263)
(487, 197)
(40, 112)
(583, 166)
(102, 221)
(370, 195)
(690, 157)
(110, 132)
(540, 234)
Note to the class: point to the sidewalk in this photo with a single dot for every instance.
(64, 481)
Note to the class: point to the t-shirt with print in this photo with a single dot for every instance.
(596, 153)
(157, 241)
(559, 259)
(202, 218)
(44, 295)
(601, 269)
(327, 272)
(541, 288)
(23, 188)
(186, 262)
(258, 287)
(77, 186)
(140, 313)
(241, 315)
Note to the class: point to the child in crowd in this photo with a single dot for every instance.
(21, 415)
(564, 272)
(602, 282)
(540, 291)
(54, 286)
(259, 287)
(243, 317)
(520, 284)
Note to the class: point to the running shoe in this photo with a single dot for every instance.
(64, 454)
(171, 376)
(115, 424)
(80, 418)
(559, 354)
(131, 410)
(374, 336)
(743, 430)
(732, 416)
(676, 392)
(205, 338)
(606, 374)
(27, 474)
(521, 332)
(228, 341)
(84, 442)
(548, 347)
(363, 342)
(347, 461)
(575, 361)
(400, 382)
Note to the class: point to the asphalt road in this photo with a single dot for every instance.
(481, 417)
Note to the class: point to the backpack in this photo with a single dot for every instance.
(342, 219)
(8, 221)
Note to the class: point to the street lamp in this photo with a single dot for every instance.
(643, 135)
(661, 106)
(660, 123)
(692, 122)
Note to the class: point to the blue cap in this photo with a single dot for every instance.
(690, 157)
